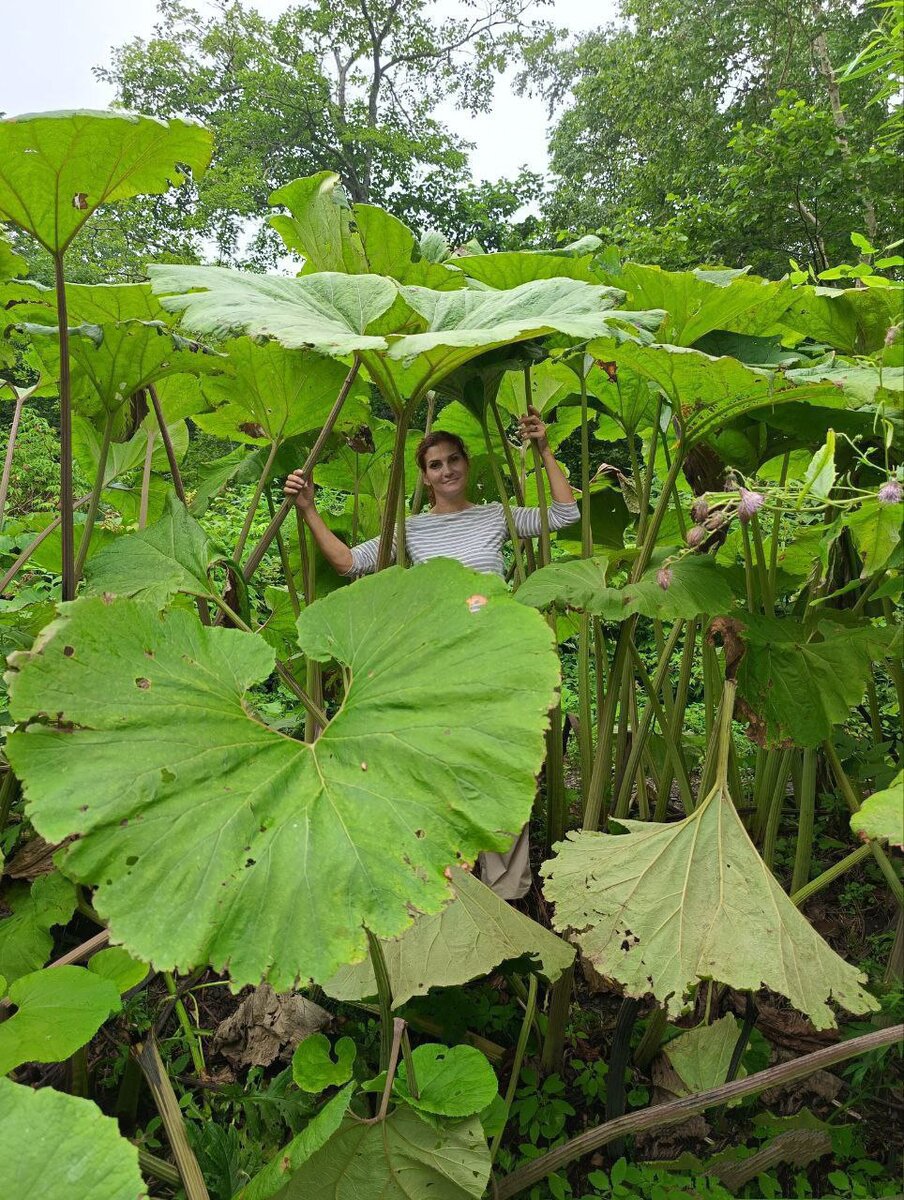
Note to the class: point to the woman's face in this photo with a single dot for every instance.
(446, 471)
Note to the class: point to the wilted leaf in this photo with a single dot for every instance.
(663, 907)
(58, 1010)
(701, 1056)
(60, 1147)
(282, 850)
(267, 1025)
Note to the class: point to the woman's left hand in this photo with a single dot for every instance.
(532, 428)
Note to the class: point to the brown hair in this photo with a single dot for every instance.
(434, 439)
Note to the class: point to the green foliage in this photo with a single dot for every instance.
(35, 476)
(56, 1012)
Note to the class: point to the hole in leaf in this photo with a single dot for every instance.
(149, 653)
(143, 683)
(80, 201)
(419, 833)
(69, 651)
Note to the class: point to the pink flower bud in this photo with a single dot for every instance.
(891, 492)
(695, 535)
(751, 503)
(664, 578)
(891, 335)
(699, 510)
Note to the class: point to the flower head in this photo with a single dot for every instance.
(695, 535)
(699, 510)
(751, 503)
(891, 335)
(891, 492)
(664, 578)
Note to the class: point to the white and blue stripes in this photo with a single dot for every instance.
(474, 536)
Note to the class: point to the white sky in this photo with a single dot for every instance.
(50, 46)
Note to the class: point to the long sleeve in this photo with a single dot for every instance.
(527, 520)
(364, 557)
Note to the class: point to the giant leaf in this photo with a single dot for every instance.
(469, 938)
(360, 239)
(852, 320)
(795, 684)
(401, 1158)
(511, 268)
(280, 851)
(881, 816)
(328, 312)
(876, 527)
(25, 939)
(172, 555)
(664, 907)
(57, 168)
(60, 1147)
(58, 1010)
(695, 306)
(707, 392)
(96, 304)
(272, 393)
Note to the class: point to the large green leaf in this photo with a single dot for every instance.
(876, 528)
(60, 1147)
(692, 585)
(96, 304)
(881, 815)
(795, 685)
(852, 320)
(328, 312)
(862, 384)
(332, 235)
(272, 1180)
(511, 268)
(695, 306)
(469, 938)
(281, 850)
(58, 1010)
(172, 555)
(57, 168)
(272, 393)
(11, 263)
(25, 940)
(401, 1158)
(462, 324)
(707, 392)
(452, 1081)
(663, 907)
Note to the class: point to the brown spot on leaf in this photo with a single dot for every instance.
(80, 201)
(142, 683)
(68, 651)
(731, 633)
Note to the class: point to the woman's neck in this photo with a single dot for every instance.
(441, 507)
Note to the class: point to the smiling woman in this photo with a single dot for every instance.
(473, 534)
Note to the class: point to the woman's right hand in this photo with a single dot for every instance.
(301, 489)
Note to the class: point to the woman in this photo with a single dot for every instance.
(473, 534)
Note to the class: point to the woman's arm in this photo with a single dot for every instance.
(334, 550)
(533, 428)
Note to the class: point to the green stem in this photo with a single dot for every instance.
(8, 793)
(545, 553)
(520, 1049)
(672, 747)
(803, 851)
(652, 1039)
(557, 1018)
(749, 570)
(504, 501)
(396, 476)
(94, 501)
(776, 528)
(829, 876)
(651, 532)
(585, 704)
(262, 482)
(144, 500)
(384, 997)
(158, 1168)
(556, 798)
(853, 802)
(677, 723)
(417, 500)
(410, 1076)
(10, 450)
(619, 1056)
(776, 804)
(67, 525)
(284, 560)
(188, 1031)
(762, 569)
(168, 446)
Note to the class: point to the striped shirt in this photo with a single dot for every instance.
(474, 536)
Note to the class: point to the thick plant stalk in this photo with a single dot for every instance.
(506, 506)
(146, 482)
(652, 1039)
(660, 1116)
(94, 502)
(256, 557)
(556, 1020)
(167, 443)
(29, 550)
(384, 998)
(556, 798)
(673, 748)
(594, 811)
(894, 971)
(776, 804)
(642, 731)
(585, 703)
(393, 489)
(829, 876)
(530, 1009)
(10, 451)
(255, 502)
(803, 851)
(67, 507)
(417, 500)
(8, 791)
(545, 553)
(188, 1032)
(618, 1064)
(776, 527)
(853, 802)
(148, 1058)
(284, 559)
(409, 1063)
(675, 727)
(651, 532)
